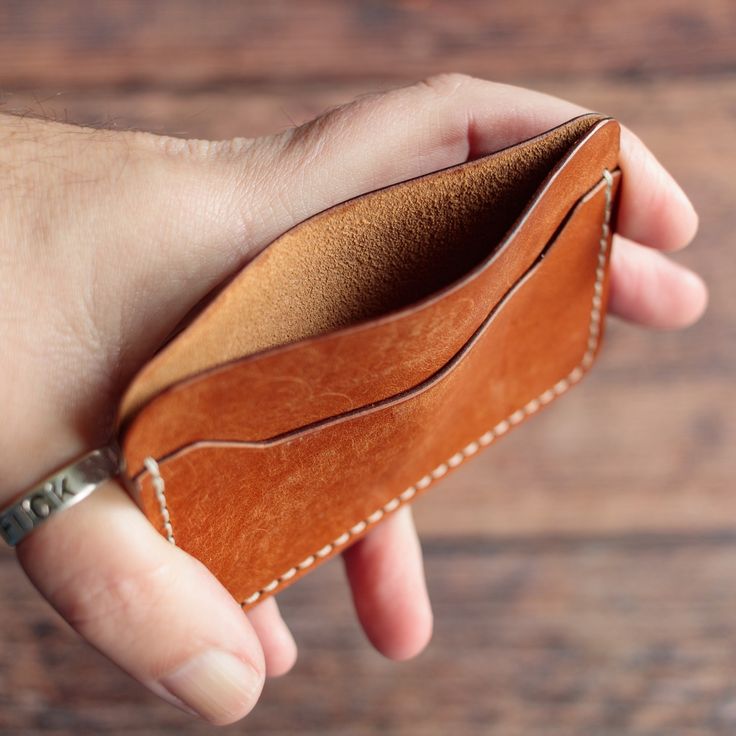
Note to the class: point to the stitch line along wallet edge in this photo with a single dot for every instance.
(369, 351)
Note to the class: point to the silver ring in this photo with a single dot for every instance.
(58, 492)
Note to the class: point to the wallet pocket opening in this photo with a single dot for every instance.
(412, 392)
(390, 249)
(377, 254)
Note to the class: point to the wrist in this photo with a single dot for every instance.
(68, 214)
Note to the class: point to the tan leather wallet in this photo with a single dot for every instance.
(370, 350)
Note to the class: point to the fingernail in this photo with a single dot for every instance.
(217, 685)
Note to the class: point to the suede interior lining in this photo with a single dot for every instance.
(367, 257)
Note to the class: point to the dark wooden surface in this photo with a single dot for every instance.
(583, 571)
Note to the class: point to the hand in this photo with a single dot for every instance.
(110, 237)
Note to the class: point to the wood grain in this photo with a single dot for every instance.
(188, 43)
(582, 570)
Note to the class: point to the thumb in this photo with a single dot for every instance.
(151, 608)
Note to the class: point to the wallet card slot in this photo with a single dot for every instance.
(378, 255)
(451, 365)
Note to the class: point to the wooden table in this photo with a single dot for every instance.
(583, 571)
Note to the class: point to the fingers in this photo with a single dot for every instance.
(279, 647)
(386, 578)
(386, 138)
(155, 611)
(653, 210)
(652, 290)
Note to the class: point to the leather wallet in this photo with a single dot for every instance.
(369, 351)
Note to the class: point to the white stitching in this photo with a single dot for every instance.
(159, 488)
(488, 437)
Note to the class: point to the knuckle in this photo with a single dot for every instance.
(445, 84)
(201, 150)
(310, 137)
(183, 147)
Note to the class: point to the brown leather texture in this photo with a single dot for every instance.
(369, 351)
